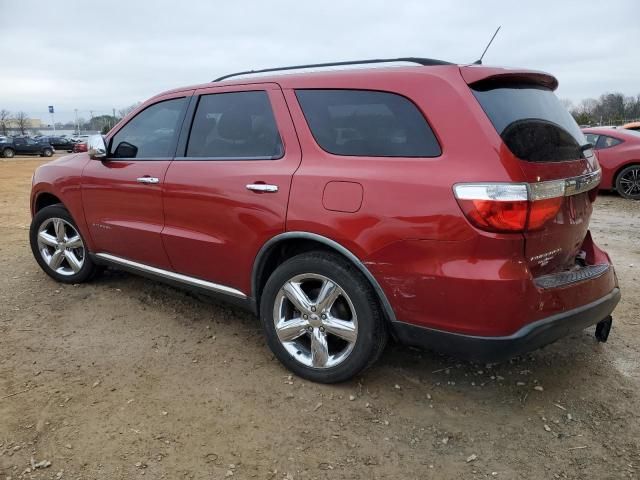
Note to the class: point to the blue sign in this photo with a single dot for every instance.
(50, 108)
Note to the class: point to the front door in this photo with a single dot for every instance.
(122, 195)
(226, 192)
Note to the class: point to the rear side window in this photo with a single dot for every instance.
(236, 125)
(367, 123)
(151, 133)
(606, 141)
(532, 122)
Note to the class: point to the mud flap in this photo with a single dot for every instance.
(603, 328)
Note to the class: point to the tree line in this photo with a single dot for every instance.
(21, 122)
(608, 109)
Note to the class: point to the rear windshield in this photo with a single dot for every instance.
(532, 122)
(367, 123)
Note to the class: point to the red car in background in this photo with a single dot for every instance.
(619, 157)
(80, 147)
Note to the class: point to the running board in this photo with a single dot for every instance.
(172, 276)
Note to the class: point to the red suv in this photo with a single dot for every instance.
(444, 206)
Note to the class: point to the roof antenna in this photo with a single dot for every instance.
(479, 61)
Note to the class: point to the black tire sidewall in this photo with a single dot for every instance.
(47, 152)
(4, 153)
(370, 325)
(58, 211)
(619, 177)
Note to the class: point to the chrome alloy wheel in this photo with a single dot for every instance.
(630, 182)
(61, 246)
(315, 320)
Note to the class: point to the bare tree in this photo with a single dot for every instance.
(123, 112)
(5, 116)
(22, 121)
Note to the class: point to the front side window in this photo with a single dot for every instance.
(151, 133)
(235, 125)
(367, 123)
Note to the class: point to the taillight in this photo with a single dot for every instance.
(510, 207)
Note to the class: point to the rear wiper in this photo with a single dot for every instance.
(586, 146)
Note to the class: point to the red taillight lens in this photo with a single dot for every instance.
(542, 211)
(510, 207)
(496, 216)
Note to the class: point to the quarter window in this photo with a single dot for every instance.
(367, 123)
(235, 125)
(151, 133)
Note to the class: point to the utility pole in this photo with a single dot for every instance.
(77, 125)
(53, 120)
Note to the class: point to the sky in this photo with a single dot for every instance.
(79, 55)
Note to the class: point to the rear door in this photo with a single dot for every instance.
(227, 190)
(122, 195)
(543, 138)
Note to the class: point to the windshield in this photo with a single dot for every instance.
(532, 122)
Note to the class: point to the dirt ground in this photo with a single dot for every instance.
(124, 377)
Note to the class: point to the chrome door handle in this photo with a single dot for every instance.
(150, 180)
(262, 187)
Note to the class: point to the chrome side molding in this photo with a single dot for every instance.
(166, 274)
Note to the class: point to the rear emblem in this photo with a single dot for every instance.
(545, 258)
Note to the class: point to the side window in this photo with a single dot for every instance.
(151, 133)
(367, 123)
(235, 125)
(592, 138)
(607, 142)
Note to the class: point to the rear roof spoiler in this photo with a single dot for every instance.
(486, 76)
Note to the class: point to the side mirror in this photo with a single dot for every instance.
(96, 147)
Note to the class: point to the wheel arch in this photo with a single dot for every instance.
(44, 199)
(285, 245)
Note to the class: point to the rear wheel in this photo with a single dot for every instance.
(47, 152)
(8, 153)
(628, 182)
(58, 247)
(321, 318)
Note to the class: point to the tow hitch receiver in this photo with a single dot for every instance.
(603, 328)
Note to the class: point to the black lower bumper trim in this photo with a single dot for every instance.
(528, 338)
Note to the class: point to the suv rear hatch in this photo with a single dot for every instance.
(540, 135)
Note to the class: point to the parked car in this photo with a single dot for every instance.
(25, 146)
(632, 126)
(79, 147)
(447, 206)
(61, 143)
(619, 157)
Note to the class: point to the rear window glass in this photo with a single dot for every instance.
(367, 123)
(532, 122)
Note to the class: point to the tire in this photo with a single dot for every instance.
(58, 247)
(331, 344)
(47, 152)
(628, 182)
(8, 153)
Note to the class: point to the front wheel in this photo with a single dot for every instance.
(8, 153)
(321, 318)
(628, 182)
(47, 152)
(58, 247)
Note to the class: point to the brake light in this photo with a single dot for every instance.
(510, 207)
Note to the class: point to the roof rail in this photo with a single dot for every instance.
(419, 61)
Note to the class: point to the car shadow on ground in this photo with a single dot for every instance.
(571, 362)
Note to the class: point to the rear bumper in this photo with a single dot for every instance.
(528, 338)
